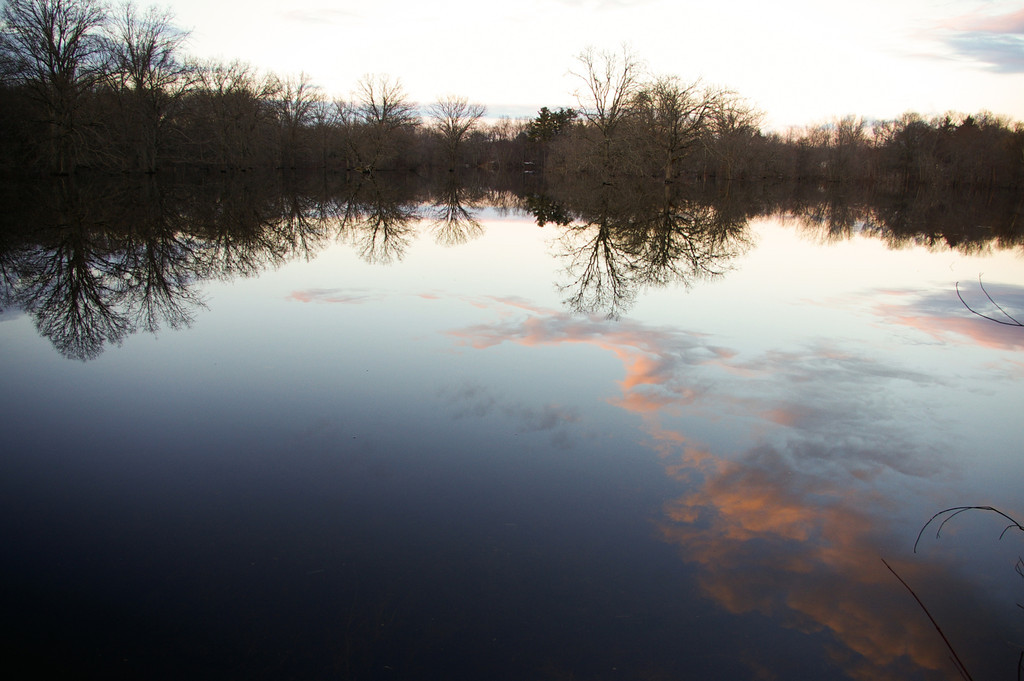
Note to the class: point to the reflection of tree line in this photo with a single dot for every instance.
(967, 221)
(94, 261)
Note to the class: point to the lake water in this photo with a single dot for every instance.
(430, 439)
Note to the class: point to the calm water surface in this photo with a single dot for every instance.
(437, 456)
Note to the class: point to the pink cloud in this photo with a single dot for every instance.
(974, 330)
(328, 296)
(813, 543)
(1011, 23)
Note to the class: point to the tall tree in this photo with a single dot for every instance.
(674, 117)
(298, 109)
(735, 132)
(384, 111)
(234, 113)
(609, 83)
(149, 76)
(54, 49)
(550, 124)
(453, 118)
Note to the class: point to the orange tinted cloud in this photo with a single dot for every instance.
(801, 549)
(787, 416)
(944, 315)
(329, 296)
(791, 530)
(1009, 23)
(653, 359)
(972, 330)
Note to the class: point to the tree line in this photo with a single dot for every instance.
(83, 85)
(87, 86)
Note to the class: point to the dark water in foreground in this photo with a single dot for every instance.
(426, 439)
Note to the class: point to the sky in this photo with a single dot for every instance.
(800, 62)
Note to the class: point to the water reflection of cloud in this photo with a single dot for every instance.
(1014, 369)
(331, 296)
(942, 316)
(834, 400)
(793, 525)
(775, 538)
(477, 401)
(654, 358)
(796, 547)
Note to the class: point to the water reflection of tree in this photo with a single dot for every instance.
(243, 227)
(967, 221)
(95, 262)
(69, 277)
(451, 213)
(626, 239)
(307, 223)
(74, 289)
(377, 218)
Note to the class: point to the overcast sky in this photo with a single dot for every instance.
(799, 61)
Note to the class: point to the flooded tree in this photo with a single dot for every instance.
(674, 117)
(629, 237)
(231, 118)
(598, 269)
(385, 113)
(377, 217)
(452, 119)
(609, 84)
(549, 126)
(162, 258)
(71, 280)
(149, 77)
(54, 49)
(298, 108)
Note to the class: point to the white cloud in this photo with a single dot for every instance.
(800, 61)
(320, 15)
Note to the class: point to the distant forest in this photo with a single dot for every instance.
(84, 86)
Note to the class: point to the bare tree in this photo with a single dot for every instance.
(347, 122)
(325, 122)
(297, 109)
(735, 123)
(453, 119)
(674, 117)
(384, 111)
(847, 145)
(609, 83)
(236, 112)
(53, 47)
(149, 75)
